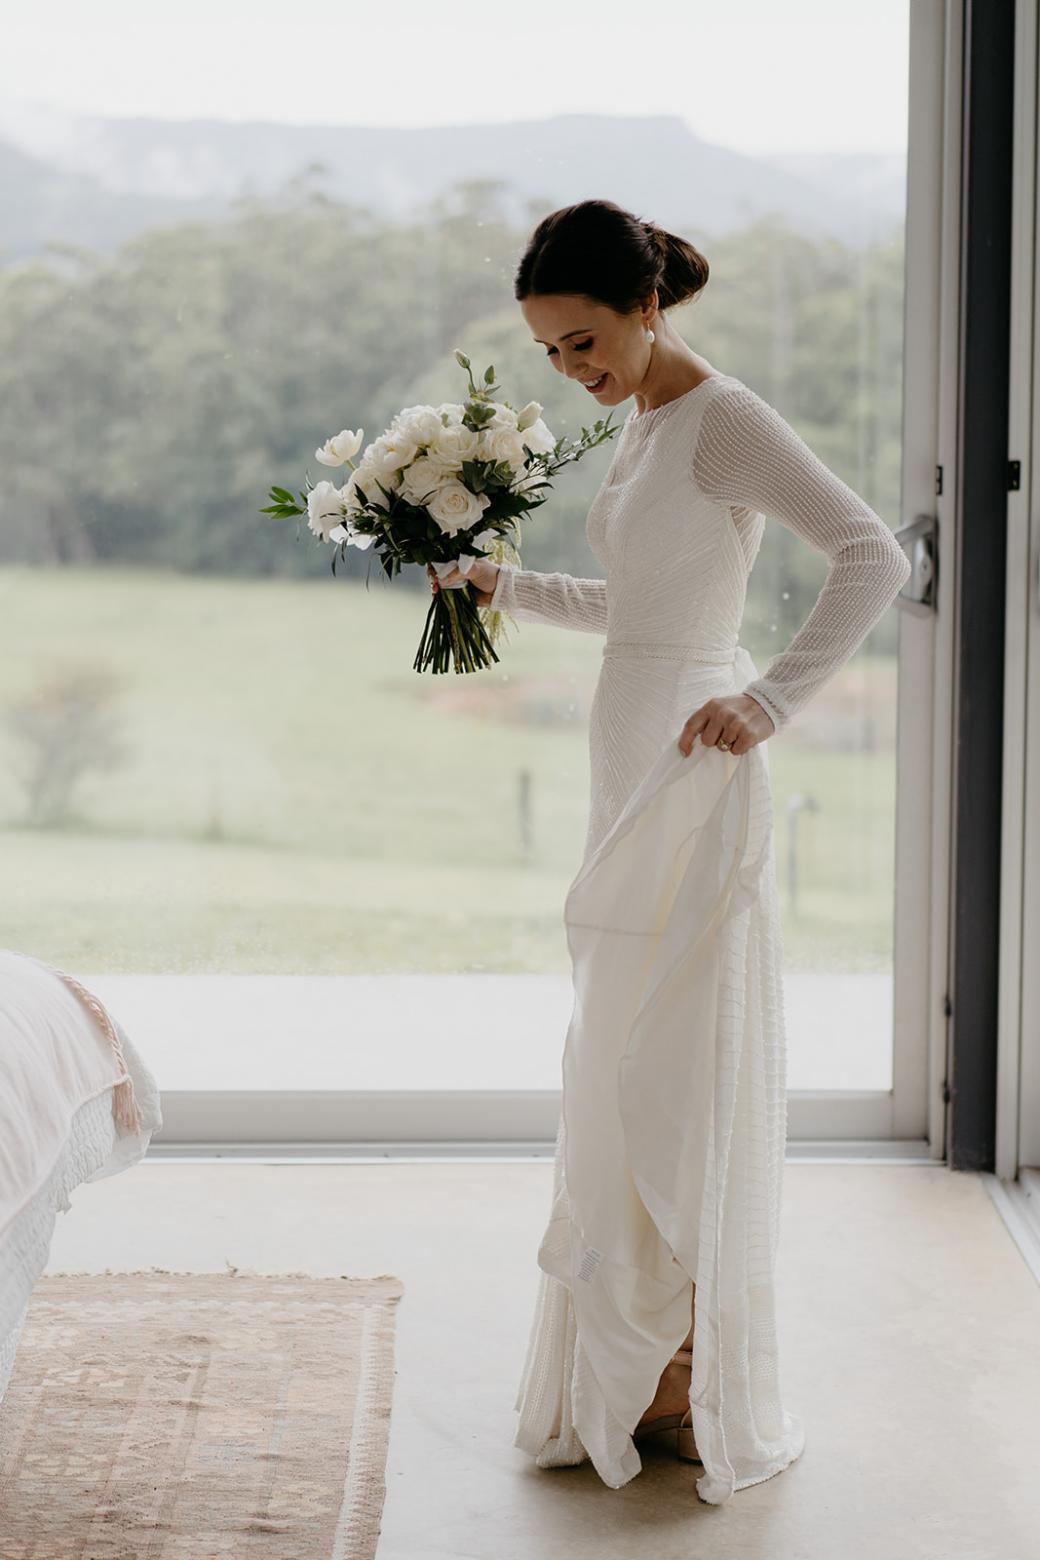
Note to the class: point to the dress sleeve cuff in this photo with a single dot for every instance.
(763, 697)
(502, 596)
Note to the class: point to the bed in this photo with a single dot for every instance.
(77, 1103)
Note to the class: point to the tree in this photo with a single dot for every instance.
(67, 727)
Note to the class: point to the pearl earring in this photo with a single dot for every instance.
(649, 335)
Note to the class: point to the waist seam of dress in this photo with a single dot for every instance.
(713, 654)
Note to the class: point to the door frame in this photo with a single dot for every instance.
(1018, 1030)
(927, 644)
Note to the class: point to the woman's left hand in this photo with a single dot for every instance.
(737, 718)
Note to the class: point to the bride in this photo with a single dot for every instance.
(656, 1301)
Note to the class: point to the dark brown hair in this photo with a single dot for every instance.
(605, 253)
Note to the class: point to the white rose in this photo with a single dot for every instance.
(538, 438)
(529, 414)
(451, 412)
(340, 448)
(324, 509)
(454, 444)
(504, 417)
(383, 461)
(418, 425)
(503, 444)
(424, 477)
(364, 481)
(351, 497)
(455, 508)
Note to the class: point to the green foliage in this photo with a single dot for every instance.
(150, 399)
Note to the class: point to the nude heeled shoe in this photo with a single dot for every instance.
(682, 1424)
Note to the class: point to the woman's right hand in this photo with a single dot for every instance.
(483, 576)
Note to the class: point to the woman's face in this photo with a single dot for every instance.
(589, 342)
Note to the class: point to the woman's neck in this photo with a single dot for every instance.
(674, 369)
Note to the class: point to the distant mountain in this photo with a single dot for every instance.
(88, 180)
(44, 204)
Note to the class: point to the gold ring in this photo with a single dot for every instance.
(724, 744)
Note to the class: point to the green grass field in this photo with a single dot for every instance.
(294, 798)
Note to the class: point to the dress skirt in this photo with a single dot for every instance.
(672, 1133)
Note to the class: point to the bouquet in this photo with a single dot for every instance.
(444, 486)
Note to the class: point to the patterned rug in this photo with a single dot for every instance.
(198, 1416)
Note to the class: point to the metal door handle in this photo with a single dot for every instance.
(920, 541)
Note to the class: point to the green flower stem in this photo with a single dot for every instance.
(454, 635)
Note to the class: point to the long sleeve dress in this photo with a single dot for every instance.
(672, 1133)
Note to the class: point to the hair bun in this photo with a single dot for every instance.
(610, 255)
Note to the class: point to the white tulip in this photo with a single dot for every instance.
(359, 539)
(340, 448)
(529, 414)
(538, 438)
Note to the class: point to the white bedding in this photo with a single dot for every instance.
(59, 1104)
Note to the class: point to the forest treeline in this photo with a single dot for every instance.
(150, 399)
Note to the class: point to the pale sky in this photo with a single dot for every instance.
(753, 75)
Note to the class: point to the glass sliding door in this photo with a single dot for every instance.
(301, 873)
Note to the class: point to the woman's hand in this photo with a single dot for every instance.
(736, 717)
(483, 576)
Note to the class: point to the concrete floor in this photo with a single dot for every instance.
(910, 1335)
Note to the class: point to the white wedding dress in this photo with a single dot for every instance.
(670, 1150)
